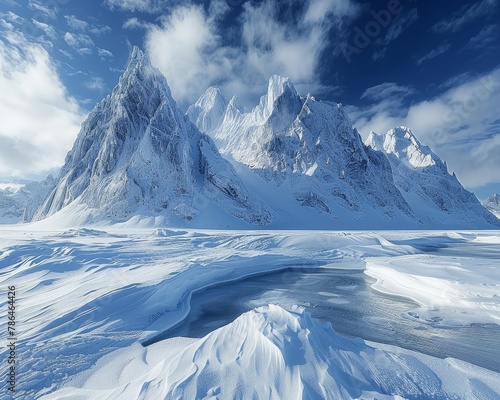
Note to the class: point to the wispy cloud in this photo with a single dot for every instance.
(188, 46)
(395, 30)
(31, 87)
(461, 124)
(49, 30)
(486, 37)
(135, 23)
(145, 6)
(76, 23)
(465, 16)
(42, 7)
(386, 91)
(95, 83)
(400, 25)
(84, 26)
(104, 54)
(434, 53)
(12, 17)
(80, 42)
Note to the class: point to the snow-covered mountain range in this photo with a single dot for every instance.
(307, 151)
(423, 179)
(290, 163)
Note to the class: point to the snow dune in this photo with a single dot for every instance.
(271, 353)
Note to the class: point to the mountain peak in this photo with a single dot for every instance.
(494, 198)
(403, 144)
(208, 111)
(277, 86)
(138, 155)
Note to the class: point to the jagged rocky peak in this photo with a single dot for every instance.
(278, 88)
(207, 113)
(138, 154)
(494, 199)
(403, 144)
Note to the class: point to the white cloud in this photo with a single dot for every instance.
(49, 30)
(434, 53)
(76, 23)
(82, 43)
(39, 119)
(12, 17)
(400, 25)
(44, 9)
(135, 23)
(80, 25)
(104, 54)
(466, 15)
(95, 83)
(486, 37)
(461, 125)
(146, 6)
(387, 90)
(187, 47)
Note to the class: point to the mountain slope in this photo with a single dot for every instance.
(424, 181)
(137, 154)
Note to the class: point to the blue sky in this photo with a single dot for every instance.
(432, 66)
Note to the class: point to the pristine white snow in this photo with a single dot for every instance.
(90, 296)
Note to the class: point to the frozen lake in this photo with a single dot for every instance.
(346, 300)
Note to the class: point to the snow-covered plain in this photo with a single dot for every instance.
(88, 299)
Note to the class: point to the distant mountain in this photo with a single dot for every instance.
(138, 156)
(493, 204)
(423, 179)
(17, 200)
(306, 153)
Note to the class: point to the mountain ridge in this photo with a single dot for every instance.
(312, 147)
(291, 162)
